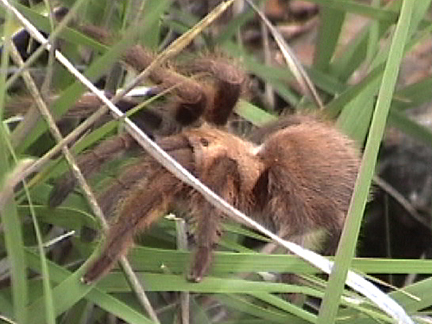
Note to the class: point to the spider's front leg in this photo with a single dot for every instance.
(120, 186)
(141, 208)
(228, 84)
(90, 163)
(145, 202)
(223, 178)
(177, 146)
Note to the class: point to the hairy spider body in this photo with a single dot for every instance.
(295, 176)
(299, 180)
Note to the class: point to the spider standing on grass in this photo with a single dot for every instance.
(295, 176)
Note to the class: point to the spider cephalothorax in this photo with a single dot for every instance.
(295, 176)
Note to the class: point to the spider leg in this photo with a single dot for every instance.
(147, 200)
(137, 212)
(229, 83)
(177, 146)
(108, 198)
(190, 97)
(223, 178)
(147, 119)
(89, 163)
(116, 190)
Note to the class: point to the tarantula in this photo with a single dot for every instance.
(295, 176)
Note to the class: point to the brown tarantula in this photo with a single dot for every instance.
(295, 176)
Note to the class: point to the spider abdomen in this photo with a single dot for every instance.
(310, 173)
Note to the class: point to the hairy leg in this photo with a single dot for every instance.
(190, 98)
(109, 198)
(145, 202)
(137, 211)
(90, 163)
(148, 120)
(177, 146)
(229, 81)
(223, 178)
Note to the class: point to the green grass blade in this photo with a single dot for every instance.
(349, 237)
(339, 103)
(13, 236)
(354, 53)
(356, 125)
(147, 259)
(301, 314)
(247, 306)
(8, 212)
(47, 290)
(411, 128)
(331, 24)
(359, 8)
(421, 290)
(415, 94)
(70, 290)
